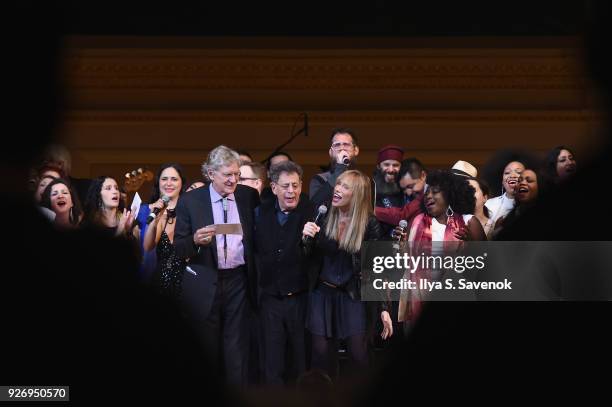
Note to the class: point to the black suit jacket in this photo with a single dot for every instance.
(194, 211)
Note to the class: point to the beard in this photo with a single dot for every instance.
(383, 187)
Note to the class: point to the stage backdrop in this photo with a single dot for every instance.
(140, 101)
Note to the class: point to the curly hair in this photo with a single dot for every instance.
(544, 188)
(156, 194)
(457, 192)
(493, 170)
(93, 201)
(45, 199)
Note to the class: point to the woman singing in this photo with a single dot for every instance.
(336, 311)
(160, 233)
(447, 219)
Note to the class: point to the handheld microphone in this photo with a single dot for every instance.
(403, 224)
(165, 200)
(320, 213)
(345, 160)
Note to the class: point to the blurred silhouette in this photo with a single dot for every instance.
(75, 315)
(474, 349)
(73, 310)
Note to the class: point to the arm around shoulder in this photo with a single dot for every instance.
(393, 216)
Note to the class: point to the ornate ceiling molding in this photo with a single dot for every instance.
(330, 118)
(131, 65)
(442, 98)
(341, 74)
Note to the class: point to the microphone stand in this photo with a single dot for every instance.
(293, 136)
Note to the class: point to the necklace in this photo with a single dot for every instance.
(171, 214)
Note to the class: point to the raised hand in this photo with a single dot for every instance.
(125, 223)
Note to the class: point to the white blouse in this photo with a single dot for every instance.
(499, 207)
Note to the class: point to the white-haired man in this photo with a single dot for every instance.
(221, 275)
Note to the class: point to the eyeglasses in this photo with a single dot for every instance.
(228, 175)
(340, 146)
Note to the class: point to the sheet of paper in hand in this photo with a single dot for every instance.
(136, 202)
(228, 229)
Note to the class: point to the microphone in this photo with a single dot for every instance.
(165, 199)
(305, 124)
(320, 213)
(345, 160)
(403, 224)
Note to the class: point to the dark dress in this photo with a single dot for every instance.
(339, 312)
(170, 268)
(332, 313)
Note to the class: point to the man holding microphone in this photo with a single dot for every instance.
(342, 153)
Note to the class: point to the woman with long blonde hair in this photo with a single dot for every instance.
(336, 311)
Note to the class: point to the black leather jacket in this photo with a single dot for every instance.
(313, 251)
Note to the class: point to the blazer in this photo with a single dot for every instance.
(194, 211)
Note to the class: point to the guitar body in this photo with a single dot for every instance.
(134, 179)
